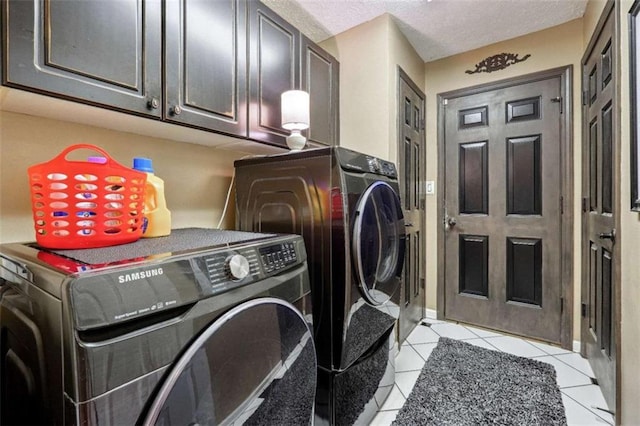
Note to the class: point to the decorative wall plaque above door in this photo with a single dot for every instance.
(498, 62)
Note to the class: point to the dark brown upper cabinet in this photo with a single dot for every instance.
(223, 67)
(281, 59)
(99, 52)
(320, 77)
(206, 65)
(274, 58)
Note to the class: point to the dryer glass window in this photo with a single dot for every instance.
(378, 239)
(254, 365)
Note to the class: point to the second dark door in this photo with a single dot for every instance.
(411, 164)
(600, 198)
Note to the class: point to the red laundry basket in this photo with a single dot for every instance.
(84, 204)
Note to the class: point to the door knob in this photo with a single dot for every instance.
(608, 235)
(449, 222)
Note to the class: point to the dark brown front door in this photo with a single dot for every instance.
(503, 208)
(600, 199)
(411, 160)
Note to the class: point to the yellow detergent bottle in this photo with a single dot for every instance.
(157, 217)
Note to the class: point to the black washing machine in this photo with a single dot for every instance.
(346, 206)
(200, 327)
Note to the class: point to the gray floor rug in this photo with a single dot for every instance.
(463, 384)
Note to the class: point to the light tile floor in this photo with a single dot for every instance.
(579, 395)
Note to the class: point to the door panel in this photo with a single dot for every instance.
(104, 53)
(321, 77)
(274, 47)
(411, 165)
(503, 209)
(600, 197)
(205, 80)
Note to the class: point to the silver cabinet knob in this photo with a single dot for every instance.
(153, 103)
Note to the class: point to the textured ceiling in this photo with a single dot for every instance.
(436, 28)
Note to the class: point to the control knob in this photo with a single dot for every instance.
(237, 267)
(374, 164)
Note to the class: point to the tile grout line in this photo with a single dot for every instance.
(584, 406)
(567, 364)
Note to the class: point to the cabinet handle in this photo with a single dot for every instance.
(153, 103)
(176, 110)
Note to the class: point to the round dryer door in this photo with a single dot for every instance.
(379, 242)
(254, 365)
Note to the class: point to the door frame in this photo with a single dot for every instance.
(566, 188)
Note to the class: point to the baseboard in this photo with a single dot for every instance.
(433, 314)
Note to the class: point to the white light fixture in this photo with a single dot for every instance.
(294, 109)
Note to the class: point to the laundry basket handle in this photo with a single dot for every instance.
(63, 155)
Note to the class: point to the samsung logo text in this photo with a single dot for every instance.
(135, 276)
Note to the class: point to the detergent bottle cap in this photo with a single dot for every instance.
(143, 164)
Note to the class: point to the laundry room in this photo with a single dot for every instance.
(382, 302)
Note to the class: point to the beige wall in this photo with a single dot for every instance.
(369, 57)
(555, 47)
(590, 18)
(196, 177)
(629, 237)
(363, 53)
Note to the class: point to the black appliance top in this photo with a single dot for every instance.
(180, 240)
(348, 159)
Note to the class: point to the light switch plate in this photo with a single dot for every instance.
(431, 187)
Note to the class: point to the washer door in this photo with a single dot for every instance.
(254, 365)
(378, 242)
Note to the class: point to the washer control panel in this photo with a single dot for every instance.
(278, 256)
(230, 269)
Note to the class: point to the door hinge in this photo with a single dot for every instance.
(561, 305)
(561, 205)
(445, 102)
(557, 100)
(583, 310)
(584, 98)
(584, 204)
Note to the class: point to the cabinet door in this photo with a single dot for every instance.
(320, 77)
(274, 47)
(205, 64)
(100, 52)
